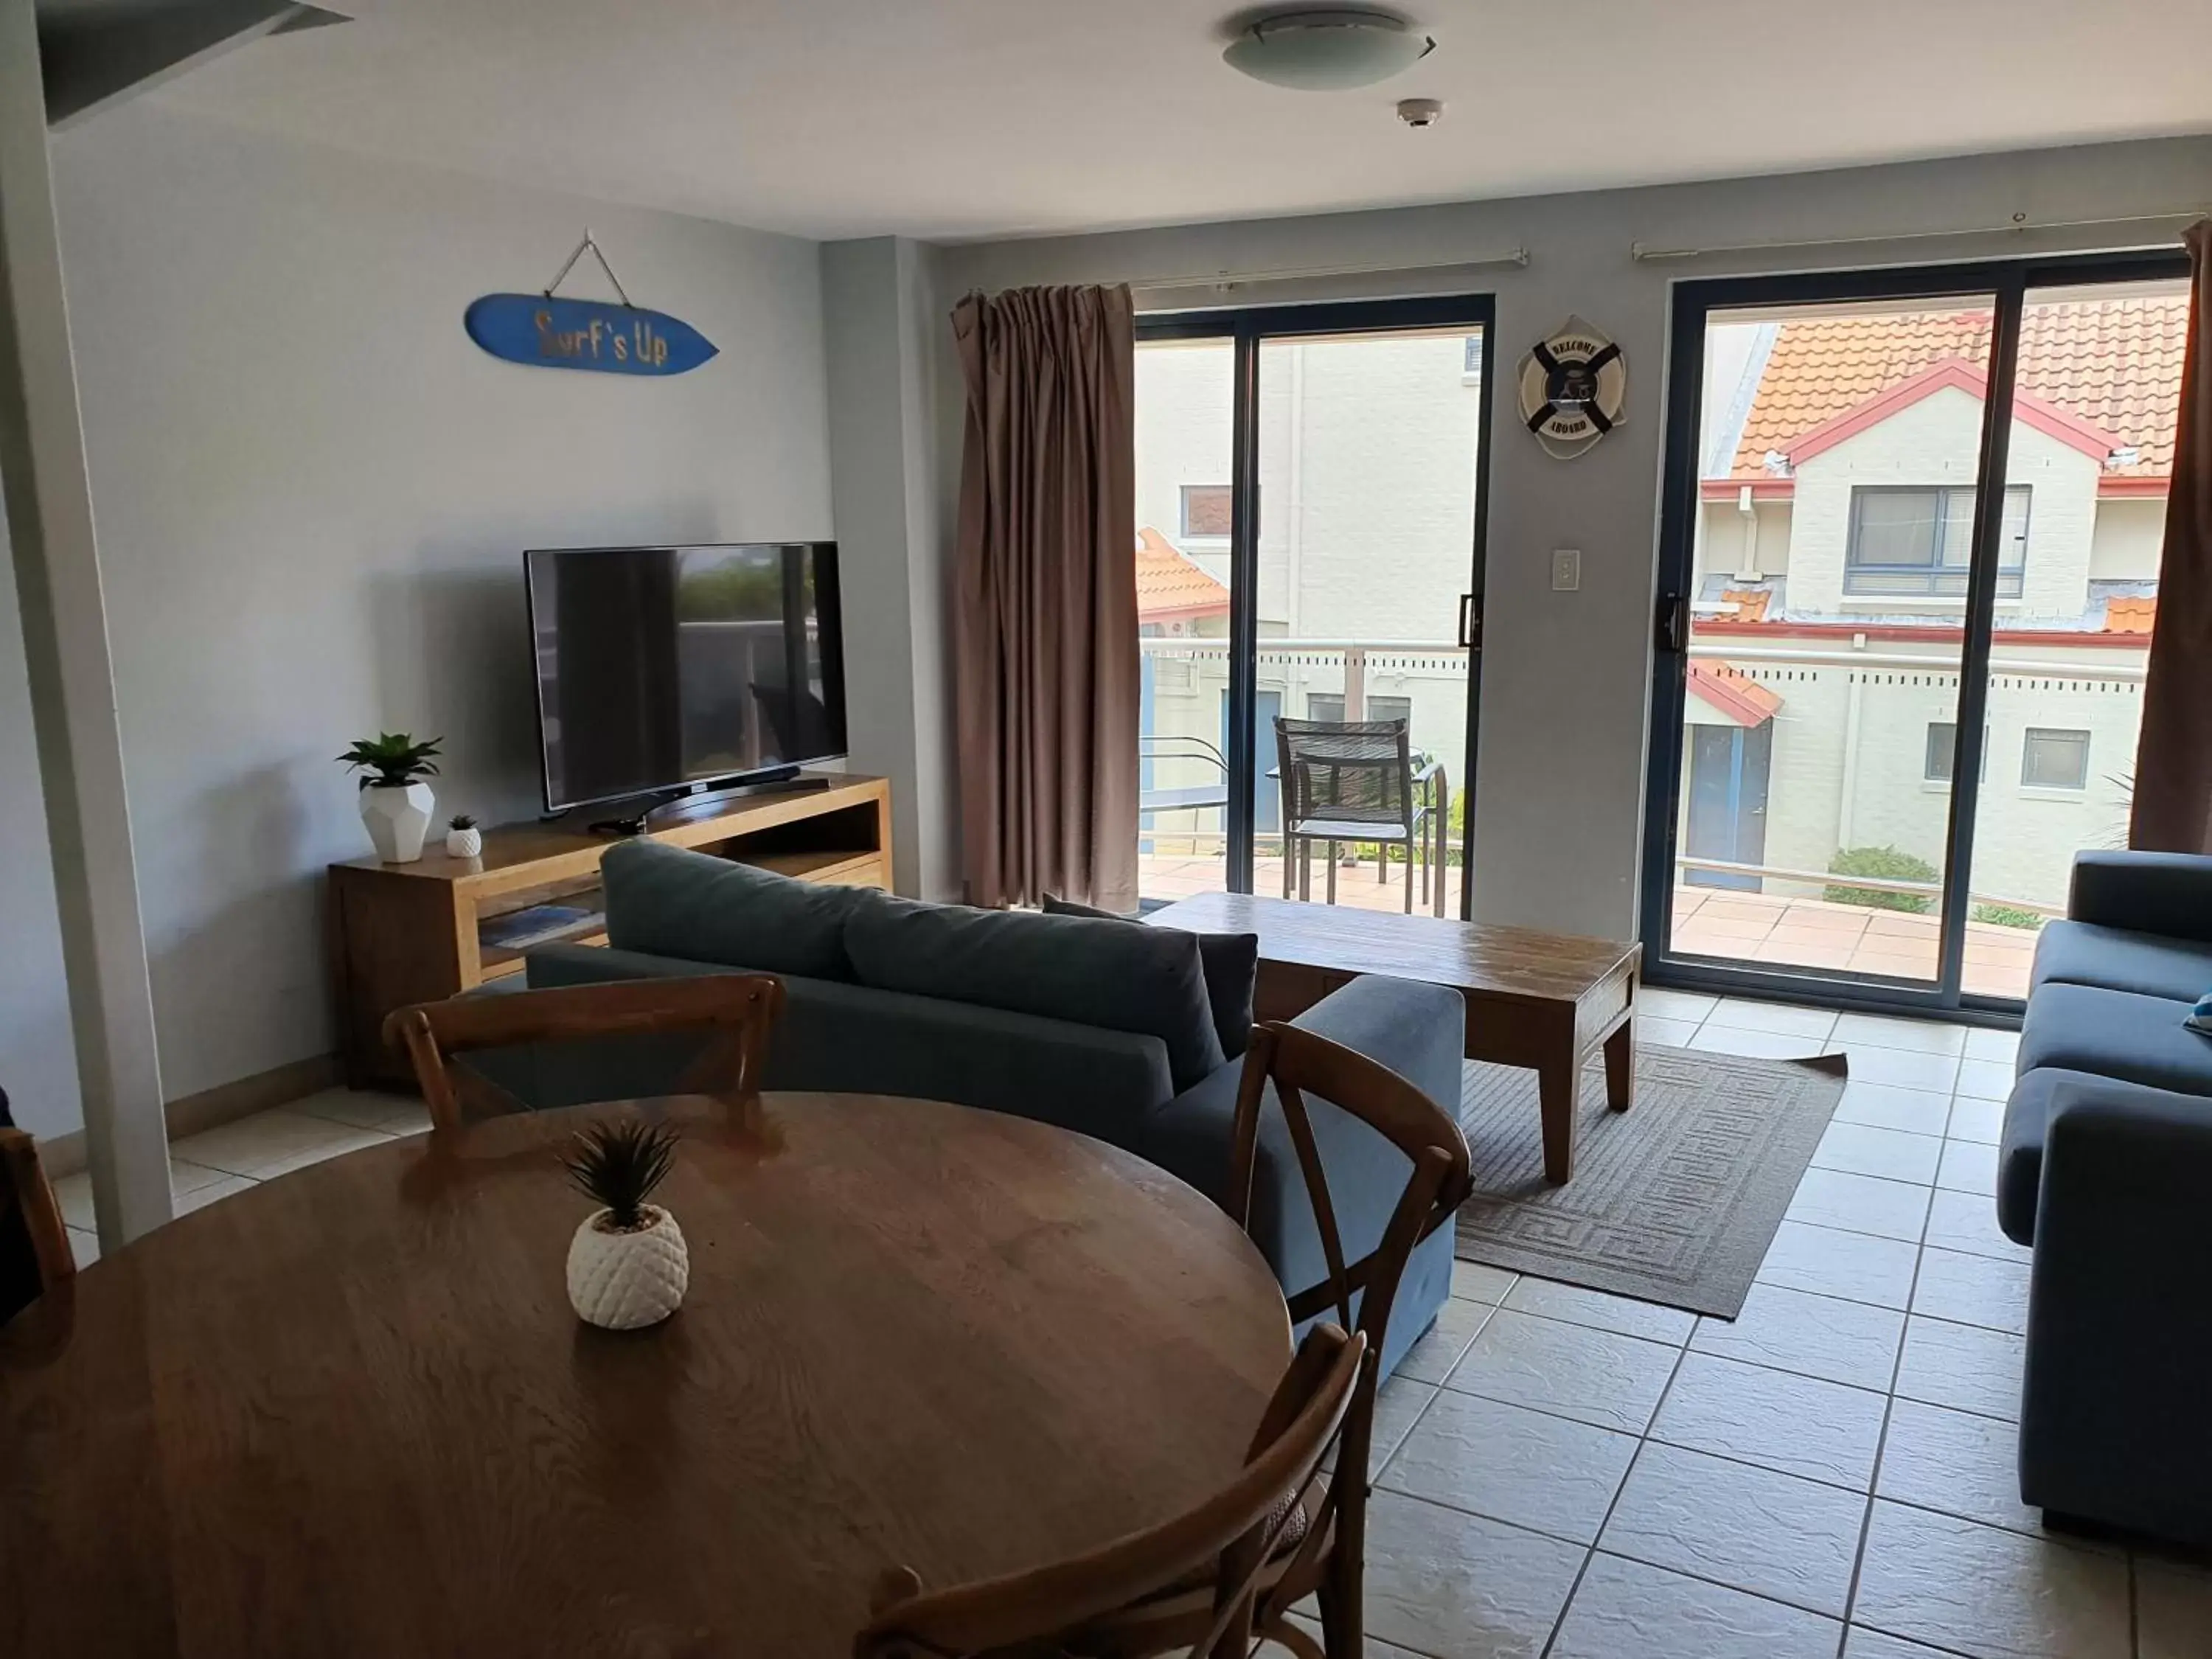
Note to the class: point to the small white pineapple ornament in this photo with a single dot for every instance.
(628, 1265)
(463, 839)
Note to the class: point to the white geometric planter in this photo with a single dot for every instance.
(397, 820)
(622, 1281)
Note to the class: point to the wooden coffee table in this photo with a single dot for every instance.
(1541, 1001)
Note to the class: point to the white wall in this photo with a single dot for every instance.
(1567, 677)
(38, 1062)
(313, 494)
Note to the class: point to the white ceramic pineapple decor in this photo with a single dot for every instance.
(628, 1265)
(463, 839)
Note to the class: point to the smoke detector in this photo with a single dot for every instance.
(1331, 51)
(1421, 112)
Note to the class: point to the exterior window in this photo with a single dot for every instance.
(1471, 364)
(1205, 510)
(2055, 760)
(1916, 543)
(1943, 751)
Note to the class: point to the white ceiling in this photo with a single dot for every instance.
(966, 119)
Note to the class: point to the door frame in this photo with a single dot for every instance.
(2008, 284)
(1246, 327)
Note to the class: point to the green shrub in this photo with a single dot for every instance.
(2007, 915)
(1883, 864)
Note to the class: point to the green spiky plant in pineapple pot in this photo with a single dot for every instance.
(628, 1265)
(463, 839)
(395, 803)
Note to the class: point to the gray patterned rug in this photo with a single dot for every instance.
(1674, 1200)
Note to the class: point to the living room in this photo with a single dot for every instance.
(270, 494)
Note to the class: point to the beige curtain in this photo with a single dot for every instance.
(1045, 611)
(2173, 761)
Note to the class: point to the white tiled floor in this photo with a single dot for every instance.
(1563, 1474)
(1831, 1474)
(212, 1165)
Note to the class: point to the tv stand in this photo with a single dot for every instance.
(681, 809)
(402, 933)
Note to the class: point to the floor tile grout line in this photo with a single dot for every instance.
(1559, 1621)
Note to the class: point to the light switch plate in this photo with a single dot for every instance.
(1566, 569)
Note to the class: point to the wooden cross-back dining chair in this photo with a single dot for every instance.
(1298, 1063)
(735, 1013)
(34, 1247)
(1212, 1583)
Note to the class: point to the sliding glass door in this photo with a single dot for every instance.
(1909, 557)
(1308, 511)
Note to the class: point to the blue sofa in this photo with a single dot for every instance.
(1105, 1027)
(2106, 1170)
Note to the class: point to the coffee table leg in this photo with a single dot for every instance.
(1621, 1066)
(1555, 1095)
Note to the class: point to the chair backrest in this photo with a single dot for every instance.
(34, 1247)
(737, 1012)
(1347, 771)
(1193, 1583)
(1299, 1062)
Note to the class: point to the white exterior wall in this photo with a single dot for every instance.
(1936, 443)
(2130, 539)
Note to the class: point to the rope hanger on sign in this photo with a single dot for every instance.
(569, 264)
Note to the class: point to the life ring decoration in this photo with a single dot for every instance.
(1574, 384)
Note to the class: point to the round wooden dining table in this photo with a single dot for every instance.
(351, 1413)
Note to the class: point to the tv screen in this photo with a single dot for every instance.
(664, 667)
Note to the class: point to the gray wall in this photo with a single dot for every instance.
(1566, 677)
(877, 302)
(313, 493)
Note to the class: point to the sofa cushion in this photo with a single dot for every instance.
(1230, 963)
(666, 902)
(2086, 1028)
(1145, 980)
(2149, 965)
(2027, 1126)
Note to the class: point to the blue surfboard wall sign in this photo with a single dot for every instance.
(587, 334)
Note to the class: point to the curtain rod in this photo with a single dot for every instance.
(1223, 281)
(1643, 252)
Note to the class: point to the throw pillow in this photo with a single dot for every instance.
(1107, 973)
(1230, 963)
(2200, 1017)
(667, 901)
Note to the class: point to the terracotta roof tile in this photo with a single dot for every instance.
(1169, 584)
(2129, 615)
(1750, 602)
(2113, 363)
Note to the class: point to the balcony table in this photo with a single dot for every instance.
(350, 1412)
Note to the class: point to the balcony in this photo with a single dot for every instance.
(1821, 936)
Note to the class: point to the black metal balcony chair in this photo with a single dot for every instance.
(1355, 781)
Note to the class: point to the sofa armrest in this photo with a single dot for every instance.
(2168, 893)
(2119, 1343)
(1419, 1032)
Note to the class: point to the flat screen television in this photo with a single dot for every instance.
(666, 670)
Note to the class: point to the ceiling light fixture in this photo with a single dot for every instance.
(1329, 50)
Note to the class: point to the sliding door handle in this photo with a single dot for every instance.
(1671, 626)
(1470, 621)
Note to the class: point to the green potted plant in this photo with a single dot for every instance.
(396, 805)
(627, 1264)
(463, 839)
